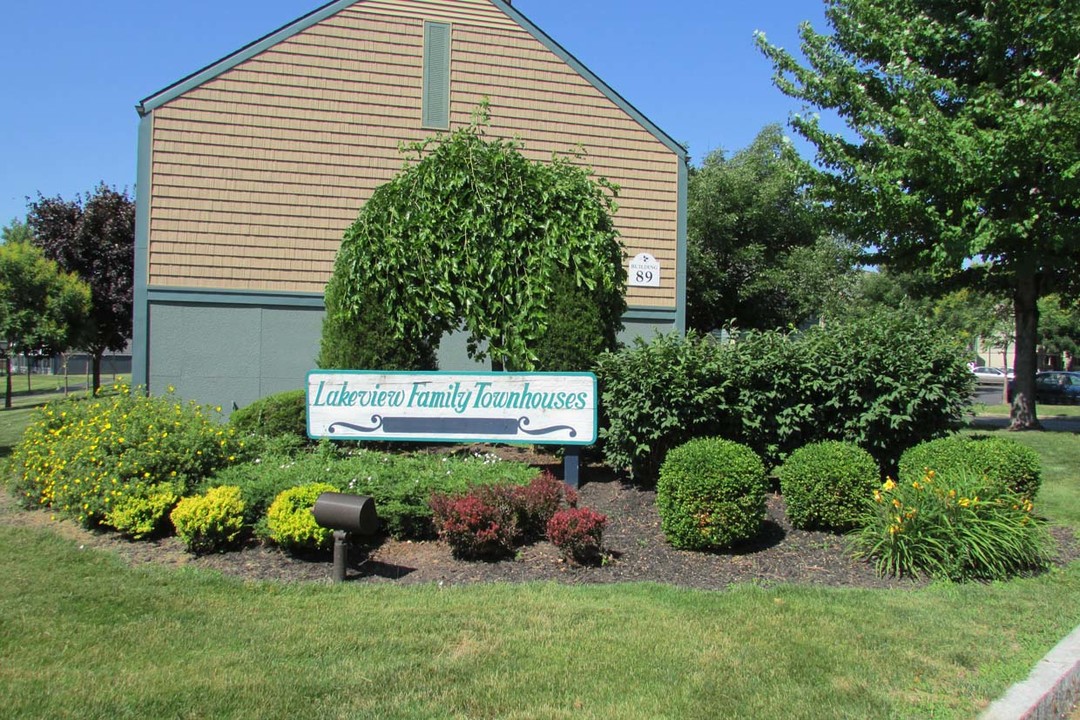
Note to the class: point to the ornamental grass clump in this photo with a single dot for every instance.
(826, 485)
(711, 494)
(88, 457)
(955, 526)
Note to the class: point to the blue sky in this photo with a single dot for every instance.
(74, 70)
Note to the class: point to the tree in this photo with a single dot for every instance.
(16, 231)
(94, 237)
(41, 307)
(962, 141)
(756, 254)
(474, 235)
(1059, 326)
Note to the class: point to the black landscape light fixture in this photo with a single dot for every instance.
(345, 514)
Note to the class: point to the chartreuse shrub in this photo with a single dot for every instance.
(107, 459)
(711, 494)
(283, 413)
(399, 484)
(958, 525)
(1001, 460)
(210, 522)
(290, 522)
(142, 512)
(826, 485)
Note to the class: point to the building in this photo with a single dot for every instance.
(251, 169)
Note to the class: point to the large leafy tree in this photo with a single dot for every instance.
(756, 254)
(94, 237)
(41, 306)
(962, 141)
(472, 234)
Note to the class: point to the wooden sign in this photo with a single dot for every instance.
(543, 408)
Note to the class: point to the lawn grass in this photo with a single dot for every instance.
(1044, 412)
(83, 635)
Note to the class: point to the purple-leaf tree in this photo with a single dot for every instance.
(94, 237)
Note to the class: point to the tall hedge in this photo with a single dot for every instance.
(885, 383)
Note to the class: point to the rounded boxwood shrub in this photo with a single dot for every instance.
(210, 522)
(290, 521)
(827, 484)
(1003, 461)
(711, 494)
(283, 413)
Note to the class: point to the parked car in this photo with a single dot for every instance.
(992, 374)
(1055, 388)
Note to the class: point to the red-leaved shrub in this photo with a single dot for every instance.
(578, 533)
(477, 525)
(538, 501)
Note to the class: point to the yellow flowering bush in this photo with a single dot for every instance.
(84, 456)
(958, 526)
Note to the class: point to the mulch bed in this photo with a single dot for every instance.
(635, 546)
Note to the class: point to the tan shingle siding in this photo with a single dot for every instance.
(257, 172)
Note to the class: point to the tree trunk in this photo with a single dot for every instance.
(1025, 305)
(26, 356)
(97, 371)
(7, 374)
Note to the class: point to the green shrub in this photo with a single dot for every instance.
(82, 457)
(656, 396)
(711, 494)
(884, 382)
(955, 525)
(141, 513)
(826, 485)
(210, 522)
(400, 484)
(581, 325)
(283, 413)
(290, 522)
(1001, 460)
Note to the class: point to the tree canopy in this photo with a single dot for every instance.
(41, 307)
(756, 253)
(94, 237)
(474, 235)
(962, 141)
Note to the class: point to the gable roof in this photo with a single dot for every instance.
(211, 71)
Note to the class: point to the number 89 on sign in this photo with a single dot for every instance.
(644, 271)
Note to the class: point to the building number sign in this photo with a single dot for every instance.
(644, 271)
